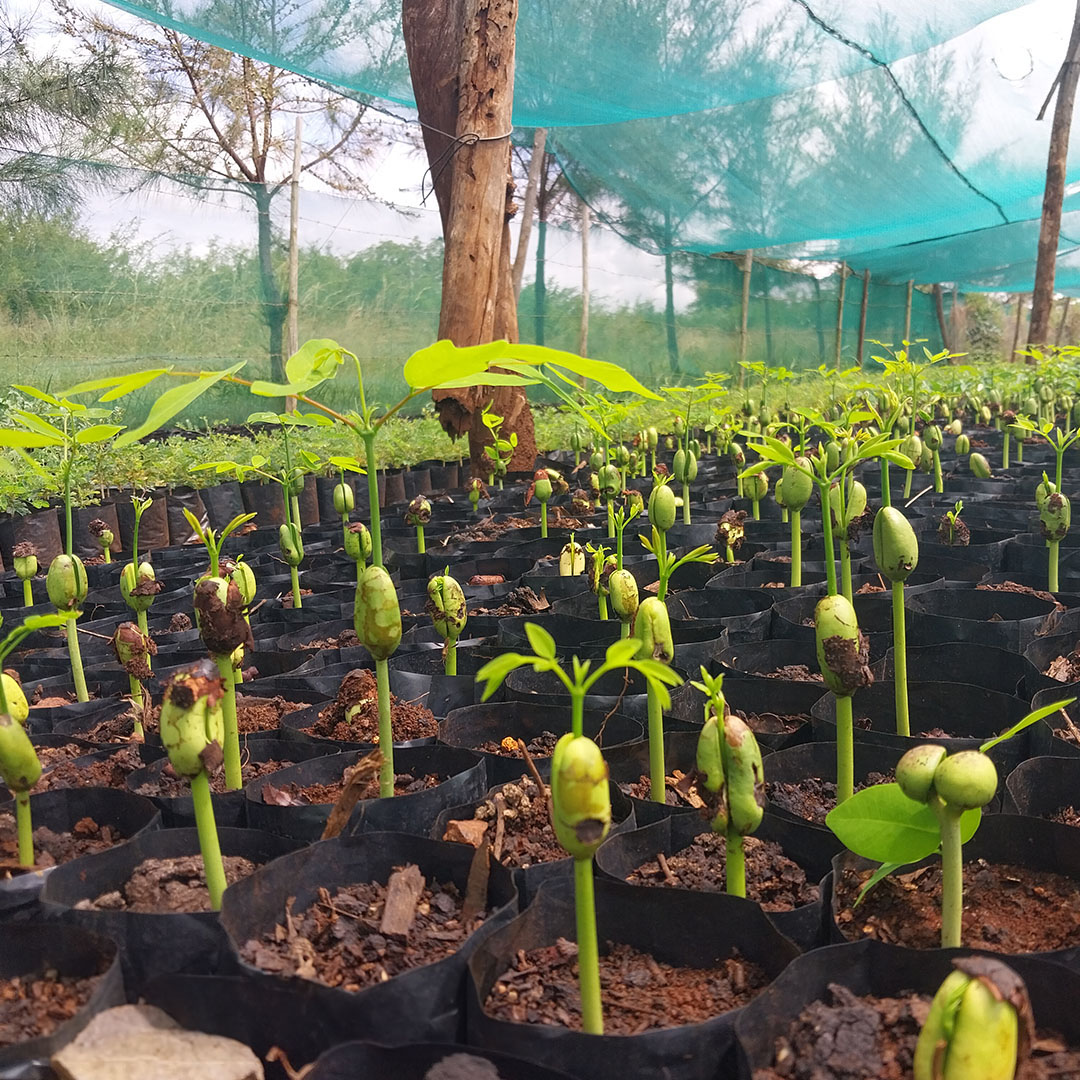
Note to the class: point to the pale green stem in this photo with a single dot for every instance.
(1052, 566)
(231, 748)
(592, 1011)
(1005, 450)
(686, 504)
(952, 874)
(657, 785)
(209, 845)
(75, 653)
(610, 519)
(796, 548)
(734, 864)
(900, 688)
(135, 688)
(27, 593)
(386, 731)
(908, 474)
(294, 577)
(886, 483)
(421, 546)
(144, 629)
(845, 750)
(938, 484)
(543, 520)
(450, 664)
(577, 712)
(1020, 450)
(373, 498)
(624, 632)
(24, 826)
(601, 603)
(755, 509)
(826, 528)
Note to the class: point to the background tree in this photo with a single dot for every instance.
(217, 121)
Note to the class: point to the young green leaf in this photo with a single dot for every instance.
(543, 644)
(97, 433)
(1031, 718)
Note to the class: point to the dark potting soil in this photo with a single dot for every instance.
(263, 714)
(772, 879)
(167, 785)
(539, 746)
(120, 728)
(33, 1006)
(518, 825)
(287, 597)
(813, 797)
(1064, 668)
(767, 723)
(353, 938)
(347, 639)
(869, 589)
(1016, 587)
(847, 1037)
(111, 771)
(793, 673)
(519, 601)
(168, 886)
(354, 716)
(321, 794)
(51, 848)
(639, 992)
(50, 756)
(677, 790)
(1006, 908)
(1065, 815)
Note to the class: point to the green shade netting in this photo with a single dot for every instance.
(799, 127)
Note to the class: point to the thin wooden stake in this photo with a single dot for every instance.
(862, 313)
(907, 310)
(840, 313)
(292, 311)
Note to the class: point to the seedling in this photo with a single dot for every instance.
(138, 582)
(935, 804)
(133, 650)
(623, 590)
(661, 512)
(667, 562)
(896, 551)
(842, 655)
(24, 556)
(219, 611)
(541, 487)
(581, 818)
(499, 451)
(797, 489)
(418, 514)
(599, 564)
(571, 559)
(103, 537)
(1055, 516)
(980, 1025)
(952, 531)
(730, 778)
(377, 622)
(192, 729)
(447, 608)
(652, 628)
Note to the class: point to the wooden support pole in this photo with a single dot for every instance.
(1042, 298)
(583, 339)
(292, 311)
(1062, 320)
(907, 310)
(939, 307)
(528, 209)
(862, 313)
(744, 316)
(1016, 330)
(840, 314)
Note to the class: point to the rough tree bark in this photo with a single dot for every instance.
(274, 304)
(1042, 298)
(461, 56)
(528, 208)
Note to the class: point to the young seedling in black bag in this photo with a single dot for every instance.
(980, 1025)
(730, 778)
(449, 612)
(24, 556)
(138, 582)
(133, 651)
(935, 805)
(418, 514)
(896, 552)
(192, 729)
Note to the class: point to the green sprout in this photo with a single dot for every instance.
(133, 650)
(667, 562)
(418, 514)
(896, 551)
(449, 612)
(24, 556)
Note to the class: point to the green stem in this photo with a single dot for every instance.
(373, 498)
(845, 750)
(231, 748)
(1057, 472)
(69, 540)
(294, 502)
(543, 520)
(899, 629)
(952, 874)
(144, 629)
(294, 577)
(784, 517)
(592, 1011)
(734, 864)
(1005, 450)
(619, 547)
(27, 593)
(213, 867)
(796, 549)
(886, 483)
(729, 553)
(577, 712)
(135, 688)
(908, 473)
(108, 554)
(75, 653)
(386, 731)
(686, 503)
(845, 571)
(601, 603)
(755, 509)
(938, 484)
(450, 664)
(421, 546)
(1052, 568)
(826, 528)
(610, 519)
(624, 632)
(1020, 450)
(657, 786)
(25, 828)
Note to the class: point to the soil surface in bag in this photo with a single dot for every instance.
(792, 673)
(110, 771)
(847, 1037)
(52, 848)
(1014, 909)
(363, 934)
(167, 785)
(320, 794)
(539, 746)
(812, 798)
(354, 716)
(36, 1005)
(1065, 669)
(50, 756)
(772, 879)
(168, 886)
(518, 825)
(639, 993)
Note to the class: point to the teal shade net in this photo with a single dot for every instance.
(798, 128)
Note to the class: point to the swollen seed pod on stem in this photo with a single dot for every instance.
(623, 590)
(980, 1025)
(798, 487)
(344, 499)
(580, 797)
(358, 542)
(896, 548)
(1055, 516)
(662, 509)
(291, 544)
(842, 651)
(652, 627)
(18, 708)
(446, 606)
(376, 614)
(192, 722)
(979, 466)
(101, 532)
(66, 582)
(219, 612)
(25, 560)
(19, 765)
(139, 588)
(418, 512)
(571, 559)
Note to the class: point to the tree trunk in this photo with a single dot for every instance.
(273, 303)
(540, 284)
(477, 294)
(583, 337)
(746, 269)
(1064, 319)
(528, 209)
(862, 314)
(840, 314)
(818, 324)
(939, 307)
(766, 311)
(1050, 230)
